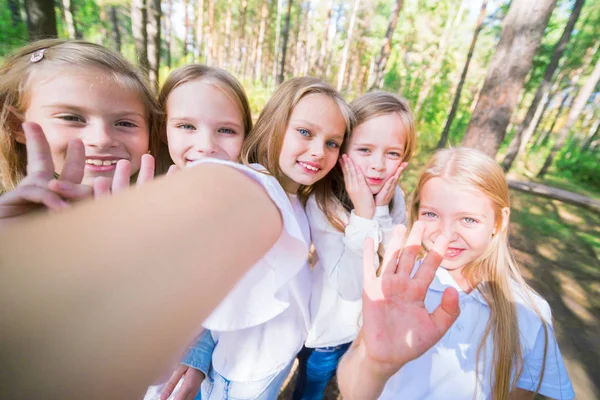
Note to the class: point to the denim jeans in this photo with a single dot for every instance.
(315, 369)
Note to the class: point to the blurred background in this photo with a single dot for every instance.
(517, 79)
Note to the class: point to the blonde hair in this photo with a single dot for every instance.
(263, 144)
(16, 83)
(214, 76)
(496, 268)
(366, 107)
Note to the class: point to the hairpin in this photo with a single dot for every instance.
(37, 55)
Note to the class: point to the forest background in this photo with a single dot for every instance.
(518, 79)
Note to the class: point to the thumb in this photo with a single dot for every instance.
(447, 312)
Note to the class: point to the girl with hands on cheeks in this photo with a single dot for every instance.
(368, 203)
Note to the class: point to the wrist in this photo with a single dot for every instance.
(364, 212)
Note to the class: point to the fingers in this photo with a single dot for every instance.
(351, 171)
(369, 272)
(69, 190)
(146, 169)
(74, 162)
(122, 176)
(101, 187)
(390, 258)
(173, 380)
(172, 169)
(39, 157)
(447, 312)
(411, 248)
(401, 169)
(433, 260)
(35, 195)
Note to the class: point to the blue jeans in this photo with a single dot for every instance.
(315, 369)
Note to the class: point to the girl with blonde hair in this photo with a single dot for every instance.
(502, 345)
(74, 89)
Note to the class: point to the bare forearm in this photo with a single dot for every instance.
(358, 378)
(96, 301)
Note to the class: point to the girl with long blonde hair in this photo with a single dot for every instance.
(502, 345)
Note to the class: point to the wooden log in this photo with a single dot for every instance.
(556, 194)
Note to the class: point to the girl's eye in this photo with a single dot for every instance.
(304, 132)
(469, 220)
(188, 127)
(395, 154)
(363, 150)
(127, 124)
(333, 145)
(71, 118)
(227, 131)
(428, 214)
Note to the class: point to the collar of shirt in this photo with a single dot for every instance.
(444, 280)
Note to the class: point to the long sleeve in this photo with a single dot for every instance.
(340, 253)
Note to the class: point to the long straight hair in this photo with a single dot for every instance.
(495, 271)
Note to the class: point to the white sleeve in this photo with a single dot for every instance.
(340, 253)
(262, 294)
(388, 220)
(555, 382)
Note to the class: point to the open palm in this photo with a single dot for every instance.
(397, 327)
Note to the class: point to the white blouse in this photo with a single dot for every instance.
(262, 324)
(337, 274)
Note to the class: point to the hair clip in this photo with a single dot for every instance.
(37, 55)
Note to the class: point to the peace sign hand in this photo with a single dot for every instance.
(38, 189)
(121, 179)
(397, 328)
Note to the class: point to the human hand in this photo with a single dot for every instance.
(358, 190)
(397, 328)
(386, 194)
(192, 380)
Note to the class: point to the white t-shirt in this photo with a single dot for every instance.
(337, 274)
(447, 370)
(262, 324)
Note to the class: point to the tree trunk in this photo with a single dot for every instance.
(241, 50)
(153, 29)
(463, 76)
(227, 46)
(41, 19)
(210, 47)
(15, 14)
(578, 104)
(543, 90)
(342, 71)
(324, 44)
(116, 32)
(301, 39)
(592, 133)
(521, 35)
(168, 34)
(277, 38)
(199, 30)
(386, 46)
(286, 34)
(70, 20)
(261, 37)
(186, 26)
(139, 20)
(543, 139)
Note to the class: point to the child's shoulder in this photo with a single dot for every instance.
(527, 300)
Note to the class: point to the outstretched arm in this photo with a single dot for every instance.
(96, 301)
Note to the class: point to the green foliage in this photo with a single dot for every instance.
(13, 30)
(582, 167)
